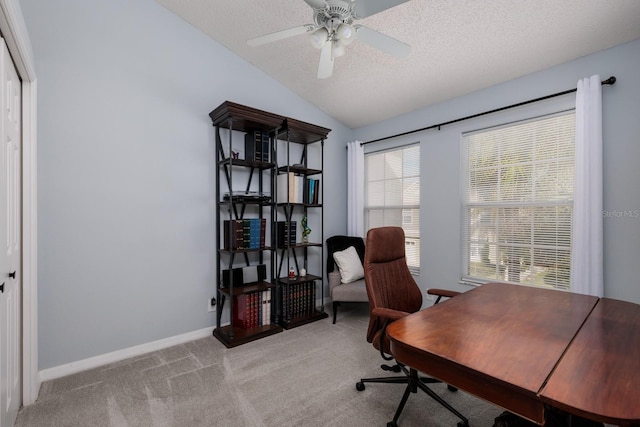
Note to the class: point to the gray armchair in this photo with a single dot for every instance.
(355, 291)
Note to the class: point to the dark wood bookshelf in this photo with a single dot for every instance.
(229, 119)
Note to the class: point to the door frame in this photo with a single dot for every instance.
(14, 31)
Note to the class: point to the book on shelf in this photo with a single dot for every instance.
(245, 233)
(285, 233)
(300, 299)
(257, 228)
(256, 146)
(266, 307)
(311, 191)
(290, 188)
(252, 310)
(233, 234)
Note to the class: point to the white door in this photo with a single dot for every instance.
(10, 241)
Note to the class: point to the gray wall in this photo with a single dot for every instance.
(440, 152)
(126, 174)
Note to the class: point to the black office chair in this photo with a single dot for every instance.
(393, 294)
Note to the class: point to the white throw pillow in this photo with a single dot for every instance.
(349, 265)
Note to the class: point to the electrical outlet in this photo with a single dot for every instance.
(211, 305)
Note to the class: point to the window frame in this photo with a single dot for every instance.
(466, 241)
(405, 209)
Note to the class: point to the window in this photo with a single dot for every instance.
(393, 195)
(518, 202)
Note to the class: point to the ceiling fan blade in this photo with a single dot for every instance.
(325, 68)
(316, 4)
(279, 35)
(382, 42)
(364, 8)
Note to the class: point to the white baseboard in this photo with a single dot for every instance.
(116, 356)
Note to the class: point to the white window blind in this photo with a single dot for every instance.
(393, 195)
(518, 202)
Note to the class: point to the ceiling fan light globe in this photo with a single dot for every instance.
(346, 33)
(319, 37)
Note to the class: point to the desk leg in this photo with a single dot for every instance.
(508, 419)
(556, 418)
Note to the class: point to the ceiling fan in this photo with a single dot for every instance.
(334, 28)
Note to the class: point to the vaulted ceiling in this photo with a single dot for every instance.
(457, 47)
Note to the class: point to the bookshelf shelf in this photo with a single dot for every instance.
(304, 319)
(299, 170)
(245, 163)
(234, 336)
(248, 166)
(242, 251)
(248, 288)
(298, 279)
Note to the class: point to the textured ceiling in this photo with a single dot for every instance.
(458, 46)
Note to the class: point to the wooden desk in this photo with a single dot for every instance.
(499, 342)
(598, 377)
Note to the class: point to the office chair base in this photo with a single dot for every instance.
(394, 368)
(387, 380)
(415, 382)
(399, 380)
(460, 424)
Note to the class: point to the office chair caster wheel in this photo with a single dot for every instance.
(392, 424)
(360, 386)
(463, 423)
(452, 388)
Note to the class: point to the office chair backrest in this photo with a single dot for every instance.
(388, 279)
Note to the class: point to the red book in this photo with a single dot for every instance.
(241, 311)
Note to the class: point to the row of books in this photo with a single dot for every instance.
(285, 233)
(294, 188)
(300, 300)
(244, 233)
(252, 310)
(256, 146)
(311, 193)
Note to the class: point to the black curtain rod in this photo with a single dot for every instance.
(611, 80)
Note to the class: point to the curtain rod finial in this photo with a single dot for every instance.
(611, 80)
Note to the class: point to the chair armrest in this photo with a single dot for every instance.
(389, 314)
(334, 280)
(443, 293)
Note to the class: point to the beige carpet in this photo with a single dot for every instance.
(301, 377)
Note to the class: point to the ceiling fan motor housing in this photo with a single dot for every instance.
(335, 12)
